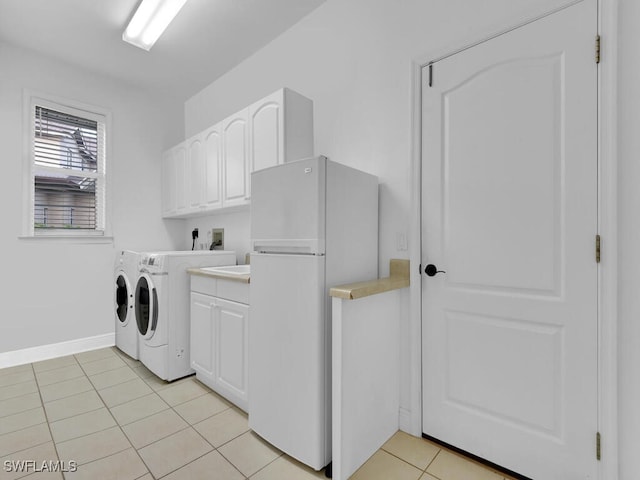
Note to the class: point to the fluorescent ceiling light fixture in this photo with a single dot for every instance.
(150, 20)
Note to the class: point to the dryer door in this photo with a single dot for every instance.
(124, 298)
(146, 306)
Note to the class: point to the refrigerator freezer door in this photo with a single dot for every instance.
(289, 383)
(288, 207)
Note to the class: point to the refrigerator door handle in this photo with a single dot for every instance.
(287, 252)
(296, 246)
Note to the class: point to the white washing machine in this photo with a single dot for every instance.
(126, 274)
(162, 307)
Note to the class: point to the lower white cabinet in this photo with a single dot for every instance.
(219, 342)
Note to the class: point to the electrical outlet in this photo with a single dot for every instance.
(217, 238)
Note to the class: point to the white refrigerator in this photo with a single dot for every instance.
(314, 225)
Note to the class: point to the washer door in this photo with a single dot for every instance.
(124, 298)
(146, 306)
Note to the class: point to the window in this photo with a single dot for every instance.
(67, 165)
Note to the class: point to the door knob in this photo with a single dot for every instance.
(431, 270)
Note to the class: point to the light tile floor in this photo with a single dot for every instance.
(117, 420)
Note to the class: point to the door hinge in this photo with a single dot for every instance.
(597, 48)
(598, 447)
(431, 74)
(598, 248)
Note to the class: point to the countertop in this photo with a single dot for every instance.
(244, 278)
(398, 278)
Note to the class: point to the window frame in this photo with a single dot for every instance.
(102, 232)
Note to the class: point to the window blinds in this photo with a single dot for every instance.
(68, 171)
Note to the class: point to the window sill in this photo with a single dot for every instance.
(75, 239)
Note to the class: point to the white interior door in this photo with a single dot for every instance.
(509, 193)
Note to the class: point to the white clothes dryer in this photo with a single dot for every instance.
(162, 307)
(126, 273)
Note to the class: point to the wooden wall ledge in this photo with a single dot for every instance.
(398, 278)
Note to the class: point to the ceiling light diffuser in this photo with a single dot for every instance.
(151, 19)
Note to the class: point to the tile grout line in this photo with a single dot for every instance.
(70, 395)
(19, 383)
(433, 460)
(206, 391)
(158, 439)
(119, 427)
(401, 459)
(36, 372)
(20, 411)
(115, 384)
(215, 449)
(4, 371)
(55, 444)
(64, 380)
(122, 383)
(469, 461)
(32, 446)
(46, 417)
(31, 426)
(109, 370)
(146, 415)
(262, 468)
(206, 418)
(170, 407)
(75, 415)
(20, 394)
(119, 384)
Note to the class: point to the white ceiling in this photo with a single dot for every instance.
(206, 39)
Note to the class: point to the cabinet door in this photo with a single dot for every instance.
(234, 151)
(180, 159)
(168, 184)
(231, 347)
(202, 335)
(212, 139)
(195, 167)
(266, 134)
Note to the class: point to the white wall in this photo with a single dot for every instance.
(353, 58)
(55, 291)
(236, 231)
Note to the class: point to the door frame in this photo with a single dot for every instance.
(411, 416)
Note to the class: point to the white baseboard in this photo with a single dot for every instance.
(54, 350)
(407, 423)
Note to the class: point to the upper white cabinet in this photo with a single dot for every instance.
(212, 139)
(235, 149)
(195, 172)
(280, 130)
(180, 159)
(168, 184)
(212, 169)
